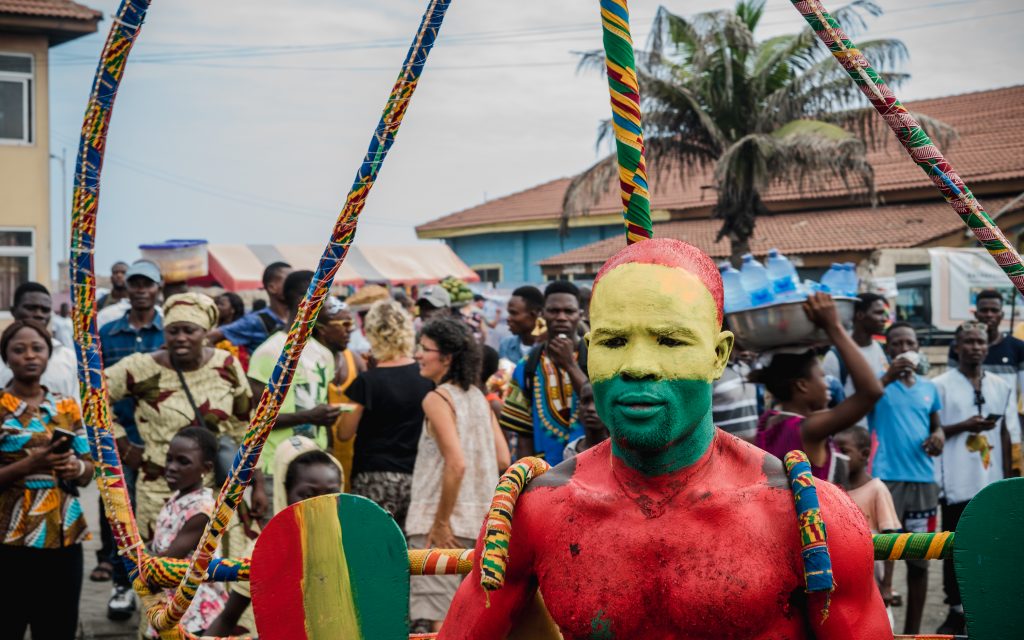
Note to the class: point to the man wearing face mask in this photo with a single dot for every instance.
(671, 528)
(541, 408)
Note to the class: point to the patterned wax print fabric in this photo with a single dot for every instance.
(971, 461)
(162, 409)
(309, 389)
(549, 416)
(778, 433)
(61, 375)
(34, 510)
(211, 596)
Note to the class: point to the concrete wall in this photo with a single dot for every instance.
(25, 169)
(518, 252)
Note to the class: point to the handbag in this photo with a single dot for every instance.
(226, 446)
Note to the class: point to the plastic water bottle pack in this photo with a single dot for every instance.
(758, 285)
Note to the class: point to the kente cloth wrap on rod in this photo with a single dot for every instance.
(125, 26)
(626, 120)
(440, 562)
(914, 546)
(499, 519)
(813, 537)
(914, 139)
(110, 479)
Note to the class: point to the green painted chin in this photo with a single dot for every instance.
(656, 426)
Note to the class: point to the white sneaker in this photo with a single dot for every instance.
(121, 605)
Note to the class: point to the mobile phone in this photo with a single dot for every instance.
(61, 440)
(994, 417)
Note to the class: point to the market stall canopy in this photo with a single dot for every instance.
(238, 267)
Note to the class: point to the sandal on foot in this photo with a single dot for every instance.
(103, 572)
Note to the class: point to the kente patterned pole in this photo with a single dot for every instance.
(626, 120)
(498, 532)
(813, 534)
(914, 546)
(125, 27)
(917, 143)
(334, 254)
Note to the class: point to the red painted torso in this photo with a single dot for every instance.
(712, 551)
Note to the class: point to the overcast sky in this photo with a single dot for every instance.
(247, 124)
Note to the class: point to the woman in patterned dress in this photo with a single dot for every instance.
(40, 518)
(170, 387)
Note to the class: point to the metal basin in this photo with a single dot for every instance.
(784, 324)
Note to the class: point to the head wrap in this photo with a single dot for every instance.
(191, 307)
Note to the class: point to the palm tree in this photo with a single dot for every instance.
(760, 113)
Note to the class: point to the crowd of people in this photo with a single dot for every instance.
(418, 405)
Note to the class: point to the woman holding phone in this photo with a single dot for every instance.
(44, 458)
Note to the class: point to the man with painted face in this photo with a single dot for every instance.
(541, 408)
(671, 528)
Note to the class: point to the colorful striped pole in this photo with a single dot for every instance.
(913, 138)
(626, 120)
(125, 27)
(914, 546)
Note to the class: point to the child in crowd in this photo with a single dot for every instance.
(308, 475)
(594, 431)
(872, 497)
(185, 515)
(797, 383)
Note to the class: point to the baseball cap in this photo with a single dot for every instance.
(436, 296)
(146, 269)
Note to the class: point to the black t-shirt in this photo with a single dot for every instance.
(389, 431)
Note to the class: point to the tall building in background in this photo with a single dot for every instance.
(28, 28)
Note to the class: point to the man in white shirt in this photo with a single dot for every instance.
(979, 418)
(869, 317)
(32, 301)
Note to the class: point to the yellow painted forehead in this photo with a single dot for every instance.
(633, 292)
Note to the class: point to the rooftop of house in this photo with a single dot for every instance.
(990, 126)
(59, 20)
(867, 228)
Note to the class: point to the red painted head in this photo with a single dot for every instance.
(677, 254)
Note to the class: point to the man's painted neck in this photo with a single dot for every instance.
(677, 455)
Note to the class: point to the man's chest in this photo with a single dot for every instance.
(712, 574)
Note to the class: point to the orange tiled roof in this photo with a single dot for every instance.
(49, 9)
(856, 229)
(990, 147)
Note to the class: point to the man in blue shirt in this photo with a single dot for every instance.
(905, 426)
(252, 329)
(140, 330)
(524, 307)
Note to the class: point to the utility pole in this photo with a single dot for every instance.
(63, 157)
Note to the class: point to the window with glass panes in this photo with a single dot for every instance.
(16, 120)
(17, 262)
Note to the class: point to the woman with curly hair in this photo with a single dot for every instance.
(388, 413)
(461, 453)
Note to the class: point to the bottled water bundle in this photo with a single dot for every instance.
(758, 285)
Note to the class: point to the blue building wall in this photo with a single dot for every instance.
(519, 252)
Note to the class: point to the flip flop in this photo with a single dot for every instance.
(103, 572)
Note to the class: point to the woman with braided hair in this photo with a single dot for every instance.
(461, 452)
